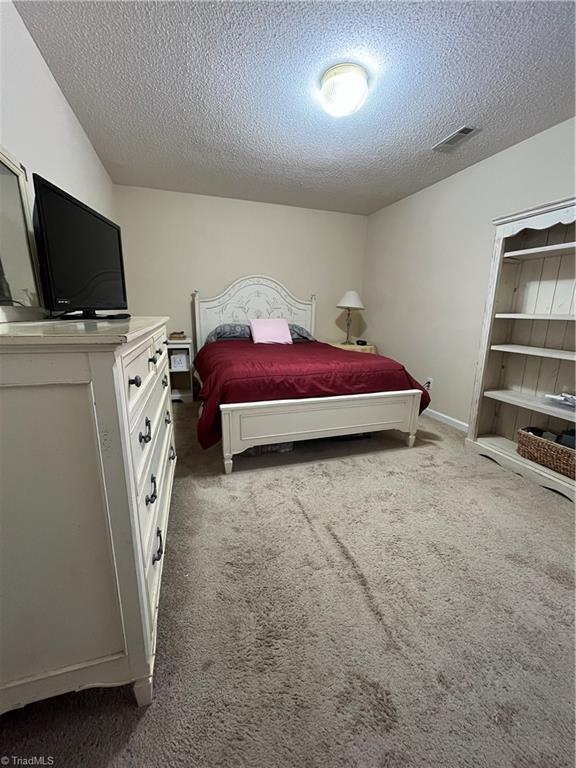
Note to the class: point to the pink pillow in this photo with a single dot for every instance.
(270, 331)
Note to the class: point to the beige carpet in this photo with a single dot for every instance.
(354, 604)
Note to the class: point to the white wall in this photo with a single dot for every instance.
(176, 242)
(428, 260)
(37, 125)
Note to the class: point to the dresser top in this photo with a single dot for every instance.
(79, 331)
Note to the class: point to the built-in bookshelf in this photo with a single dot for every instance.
(527, 346)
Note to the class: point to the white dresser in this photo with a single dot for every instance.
(87, 461)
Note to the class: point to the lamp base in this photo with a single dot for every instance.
(348, 324)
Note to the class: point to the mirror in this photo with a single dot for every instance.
(19, 291)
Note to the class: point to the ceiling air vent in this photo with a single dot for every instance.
(454, 138)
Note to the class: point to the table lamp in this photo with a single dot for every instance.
(351, 300)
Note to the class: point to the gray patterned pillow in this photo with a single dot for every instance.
(242, 331)
(299, 334)
(229, 331)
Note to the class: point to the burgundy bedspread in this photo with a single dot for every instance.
(239, 371)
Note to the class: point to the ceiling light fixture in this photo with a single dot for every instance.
(344, 89)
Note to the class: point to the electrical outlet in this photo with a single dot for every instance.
(428, 384)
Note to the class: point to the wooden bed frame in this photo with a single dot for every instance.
(245, 425)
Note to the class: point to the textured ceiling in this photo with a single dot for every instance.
(221, 98)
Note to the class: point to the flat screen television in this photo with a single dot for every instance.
(79, 253)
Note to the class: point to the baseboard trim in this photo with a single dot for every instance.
(437, 416)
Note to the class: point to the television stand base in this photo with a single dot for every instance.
(90, 315)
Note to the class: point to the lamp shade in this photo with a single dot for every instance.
(350, 300)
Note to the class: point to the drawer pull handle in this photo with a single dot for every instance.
(137, 381)
(167, 418)
(165, 381)
(159, 352)
(153, 359)
(165, 342)
(172, 454)
(151, 499)
(147, 436)
(160, 551)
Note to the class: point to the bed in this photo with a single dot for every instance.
(258, 394)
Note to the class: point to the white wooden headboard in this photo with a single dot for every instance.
(250, 298)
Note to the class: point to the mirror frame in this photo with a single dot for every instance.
(13, 314)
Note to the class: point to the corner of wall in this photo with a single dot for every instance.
(60, 150)
(427, 260)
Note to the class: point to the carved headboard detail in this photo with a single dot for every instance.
(247, 299)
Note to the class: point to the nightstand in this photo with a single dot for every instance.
(180, 356)
(368, 349)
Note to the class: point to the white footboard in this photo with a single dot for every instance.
(245, 425)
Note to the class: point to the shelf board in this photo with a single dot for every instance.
(524, 316)
(501, 448)
(519, 349)
(179, 370)
(532, 403)
(561, 249)
(185, 395)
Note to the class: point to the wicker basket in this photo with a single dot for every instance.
(552, 455)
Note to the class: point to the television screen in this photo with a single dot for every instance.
(80, 253)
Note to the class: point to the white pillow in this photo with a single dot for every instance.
(270, 330)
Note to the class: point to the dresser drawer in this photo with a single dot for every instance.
(159, 348)
(150, 427)
(150, 494)
(139, 371)
(160, 341)
(155, 558)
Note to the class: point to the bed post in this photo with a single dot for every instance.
(226, 441)
(197, 330)
(413, 420)
(313, 314)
